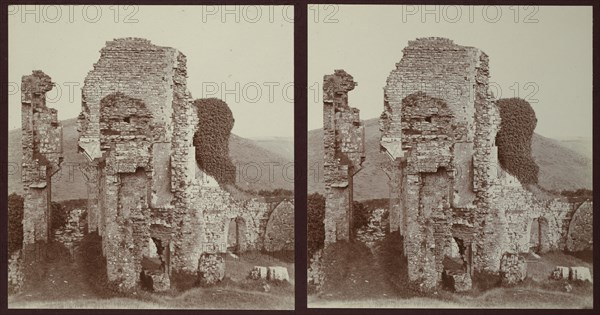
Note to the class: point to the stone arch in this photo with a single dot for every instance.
(279, 234)
(580, 234)
(538, 235)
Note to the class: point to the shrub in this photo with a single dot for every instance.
(15, 222)
(212, 139)
(58, 216)
(360, 215)
(514, 139)
(316, 226)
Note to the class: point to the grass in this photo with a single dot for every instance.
(355, 278)
(81, 282)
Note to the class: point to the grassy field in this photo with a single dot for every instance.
(64, 282)
(355, 278)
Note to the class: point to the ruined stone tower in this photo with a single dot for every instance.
(136, 128)
(438, 128)
(42, 154)
(344, 152)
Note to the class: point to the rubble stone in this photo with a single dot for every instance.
(211, 269)
(513, 269)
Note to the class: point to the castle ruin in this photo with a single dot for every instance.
(460, 214)
(157, 212)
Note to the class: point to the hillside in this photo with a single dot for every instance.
(283, 146)
(560, 167)
(70, 182)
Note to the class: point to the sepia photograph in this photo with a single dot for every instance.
(449, 156)
(150, 157)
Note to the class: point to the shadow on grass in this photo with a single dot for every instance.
(586, 255)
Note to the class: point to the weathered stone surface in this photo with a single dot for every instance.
(15, 272)
(258, 272)
(315, 272)
(42, 154)
(375, 230)
(513, 269)
(462, 282)
(136, 128)
(71, 234)
(211, 269)
(278, 273)
(343, 141)
(581, 233)
(580, 274)
(279, 234)
(158, 281)
(560, 273)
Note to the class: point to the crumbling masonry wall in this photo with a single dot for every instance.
(148, 199)
(42, 154)
(439, 127)
(136, 128)
(344, 152)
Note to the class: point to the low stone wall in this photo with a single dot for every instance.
(375, 230)
(71, 234)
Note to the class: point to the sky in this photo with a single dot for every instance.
(241, 54)
(541, 54)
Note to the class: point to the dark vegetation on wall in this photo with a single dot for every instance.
(514, 139)
(579, 195)
(15, 222)
(362, 210)
(212, 139)
(316, 227)
(60, 211)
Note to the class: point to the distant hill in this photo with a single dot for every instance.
(246, 154)
(560, 167)
(283, 146)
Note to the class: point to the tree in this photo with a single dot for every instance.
(212, 139)
(517, 124)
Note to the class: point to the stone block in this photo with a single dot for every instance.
(580, 274)
(278, 273)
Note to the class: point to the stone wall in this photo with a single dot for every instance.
(580, 235)
(279, 233)
(344, 152)
(438, 127)
(136, 128)
(71, 234)
(42, 154)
